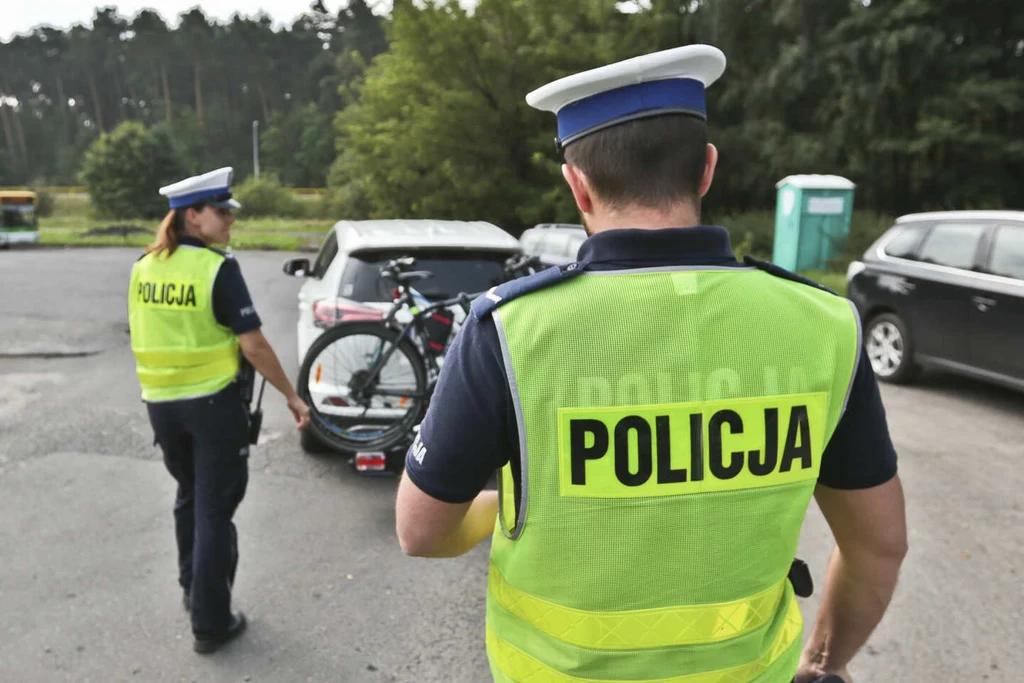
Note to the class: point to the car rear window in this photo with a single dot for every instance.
(453, 272)
(1008, 253)
(952, 244)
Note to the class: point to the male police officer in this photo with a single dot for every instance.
(661, 415)
(192, 322)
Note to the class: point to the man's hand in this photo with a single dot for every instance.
(300, 411)
(811, 671)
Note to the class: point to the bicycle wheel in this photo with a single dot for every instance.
(349, 410)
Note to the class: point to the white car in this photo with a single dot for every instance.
(344, 278)
(553, 243)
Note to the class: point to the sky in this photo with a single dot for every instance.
(21, 16)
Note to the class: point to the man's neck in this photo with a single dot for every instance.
(643, 218)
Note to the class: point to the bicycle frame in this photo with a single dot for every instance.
(405, 299)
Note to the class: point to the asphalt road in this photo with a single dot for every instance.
(87, 572)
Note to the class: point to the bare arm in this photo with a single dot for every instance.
(870, 528)
(257, 350)
(428, 527)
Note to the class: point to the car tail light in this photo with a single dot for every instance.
(328, 312)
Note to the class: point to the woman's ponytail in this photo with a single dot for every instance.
(167, 235)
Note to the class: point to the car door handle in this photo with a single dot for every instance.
(983, 303)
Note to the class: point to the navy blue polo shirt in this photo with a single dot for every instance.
(232, 305)
(470, 429)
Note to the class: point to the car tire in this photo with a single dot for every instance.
(890, 349)
(311, 443)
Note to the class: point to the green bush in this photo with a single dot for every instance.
(125, 169)
(267, 197)
(45, 201)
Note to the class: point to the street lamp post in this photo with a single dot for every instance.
(256, 148)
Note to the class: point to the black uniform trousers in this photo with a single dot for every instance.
(205, 444)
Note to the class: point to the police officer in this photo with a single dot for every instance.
(194, 332)
(661, 415)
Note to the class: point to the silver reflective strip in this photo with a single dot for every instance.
(669, 269)
(856, 359)
(513, 387)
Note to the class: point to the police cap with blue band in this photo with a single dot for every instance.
(212, 189)
(666, 82)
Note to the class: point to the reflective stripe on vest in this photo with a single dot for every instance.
(519, 667)
(637, 629)
(226, 366)
(180, 349)
(672, 426)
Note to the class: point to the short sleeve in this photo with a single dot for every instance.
(232, 305)
(860, 453)
(469, 430)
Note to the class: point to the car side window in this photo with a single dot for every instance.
(904, 242)
(1008, 252)
(328, 250)
(952, 244)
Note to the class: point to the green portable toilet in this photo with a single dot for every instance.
(812, 220)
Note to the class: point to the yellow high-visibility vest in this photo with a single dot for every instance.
(181, 351)
(672, 424)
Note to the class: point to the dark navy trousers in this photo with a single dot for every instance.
(205, 444)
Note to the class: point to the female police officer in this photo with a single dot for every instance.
(190, 315)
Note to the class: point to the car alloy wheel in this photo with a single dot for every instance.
(885, 347)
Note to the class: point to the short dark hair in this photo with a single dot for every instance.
(654, 162)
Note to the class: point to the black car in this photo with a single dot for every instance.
(945, 289)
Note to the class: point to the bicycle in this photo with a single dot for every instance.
(369, 382)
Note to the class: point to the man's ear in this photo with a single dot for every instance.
(710, 162)
(580, 188)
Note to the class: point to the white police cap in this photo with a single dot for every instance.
(666, 82)
(213, 188)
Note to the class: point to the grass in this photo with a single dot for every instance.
(72, 219)
(833, 280)
(72, 222)
(305, 226)
(55, 237)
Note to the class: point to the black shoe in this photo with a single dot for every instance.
(205, 643)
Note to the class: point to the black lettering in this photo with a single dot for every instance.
(139, 295)
(697, 447)
(170, 294)
(799, 426)
(579, 452)
(666, 475)
(757, 465)
(645, 460)
(715, 458)
(190, 296)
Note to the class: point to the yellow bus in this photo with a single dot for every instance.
(18, 221)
